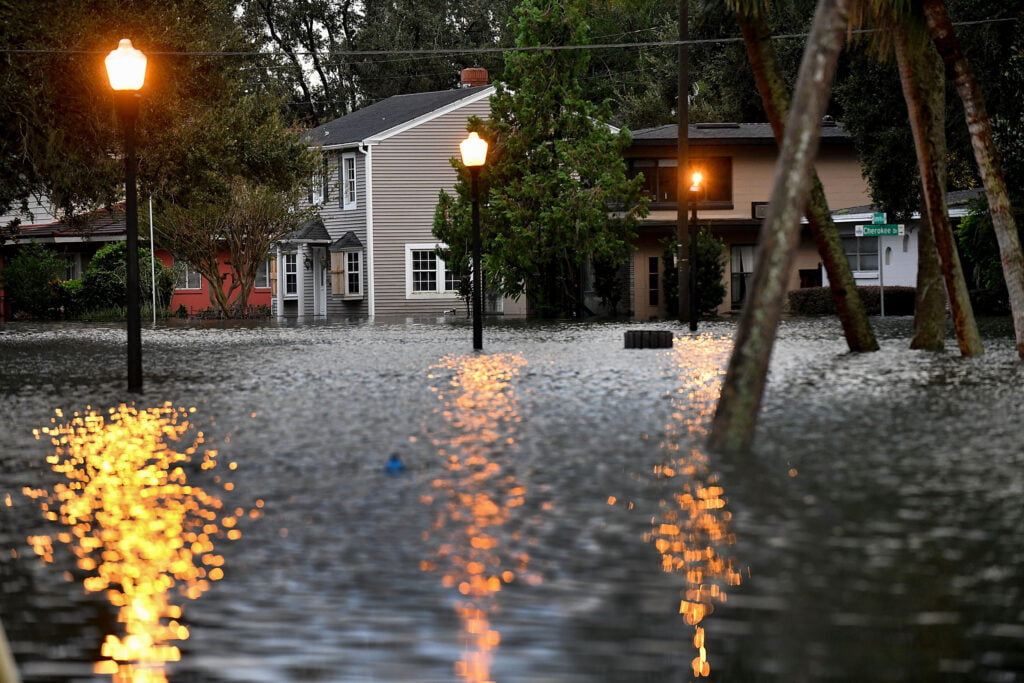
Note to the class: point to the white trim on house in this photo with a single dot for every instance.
(371, 302)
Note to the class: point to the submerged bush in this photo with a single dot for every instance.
(818, 301)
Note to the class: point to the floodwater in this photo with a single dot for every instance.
(556, 516)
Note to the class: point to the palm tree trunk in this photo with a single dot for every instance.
(987, 156)
(849, 305)
(743, 388)
(929, 296)
(924, 92)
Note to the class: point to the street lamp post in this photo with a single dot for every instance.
(695, 185)
(126, 70)
(474, 155)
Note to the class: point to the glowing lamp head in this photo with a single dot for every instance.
(126, 67)
(695, 181)
(473, 150)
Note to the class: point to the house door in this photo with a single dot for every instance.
(648, 271)
(321, 265)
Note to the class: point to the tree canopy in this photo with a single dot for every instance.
(201, 118)
(555, 172)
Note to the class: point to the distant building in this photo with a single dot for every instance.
(78, 241)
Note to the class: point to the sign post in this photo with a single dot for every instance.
(879, 228)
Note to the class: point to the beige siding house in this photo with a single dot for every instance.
(738, 162)
(372, 253)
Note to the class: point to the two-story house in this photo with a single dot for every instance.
(738, 164)
(372, 252)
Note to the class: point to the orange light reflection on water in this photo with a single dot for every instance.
(137, 527)
(476, 499)
(692, 529)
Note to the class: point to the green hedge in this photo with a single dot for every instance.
(818, 301)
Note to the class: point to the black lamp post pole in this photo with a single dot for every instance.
(693, 262)
(128, 112)
(478, 294)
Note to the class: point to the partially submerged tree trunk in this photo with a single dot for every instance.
(987, 156)
(849, 305)
(929, 296)
(924, 92)
(743, 388)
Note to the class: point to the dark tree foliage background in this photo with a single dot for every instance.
(266, 65)
(201, 119)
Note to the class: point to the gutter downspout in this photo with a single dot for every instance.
(371, 301)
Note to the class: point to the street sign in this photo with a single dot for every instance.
(878, 219)
(876, 230)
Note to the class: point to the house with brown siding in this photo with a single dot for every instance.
(372, 253)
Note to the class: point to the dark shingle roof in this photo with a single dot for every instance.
(101, 225)
(726, 134)
(313, 231)
(346, 241)
(384, 115)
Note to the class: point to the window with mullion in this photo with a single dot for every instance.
(347, 180)
(424, 271)
(291, 274)
(861, 252)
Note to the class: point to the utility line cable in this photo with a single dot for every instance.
(468, 50)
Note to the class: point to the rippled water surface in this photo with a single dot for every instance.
(557, 517)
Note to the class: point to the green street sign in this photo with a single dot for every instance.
(890, 230)
(878, 219)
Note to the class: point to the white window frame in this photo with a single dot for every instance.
(347, 180)
(441, 270)
(290, 273)
(187, 273)
(353, 267)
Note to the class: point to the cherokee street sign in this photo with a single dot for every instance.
(875, 230)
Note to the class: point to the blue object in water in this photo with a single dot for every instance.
(395, 465)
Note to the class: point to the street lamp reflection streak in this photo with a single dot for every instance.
(692, 529)
(474, 500)
(137, 527)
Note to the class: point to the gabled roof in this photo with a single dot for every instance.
(313, 231)
(346, 241)
(383, 116)
(728, 134)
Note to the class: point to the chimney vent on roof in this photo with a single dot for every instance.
(472, 77)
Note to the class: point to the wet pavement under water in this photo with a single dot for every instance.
(557, 517)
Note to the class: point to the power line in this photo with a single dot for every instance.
(467, 50)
